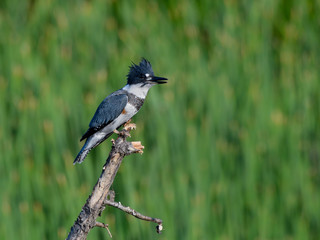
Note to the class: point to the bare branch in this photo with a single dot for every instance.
(95, 204)
(135, 213)
(106, 226)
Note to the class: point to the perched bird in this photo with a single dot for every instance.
(119, 107)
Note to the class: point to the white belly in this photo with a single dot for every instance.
(128, 113)
(96, 138)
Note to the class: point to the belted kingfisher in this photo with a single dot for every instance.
(119, 107)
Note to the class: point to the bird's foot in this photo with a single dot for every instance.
(129, 126)
(127, 122)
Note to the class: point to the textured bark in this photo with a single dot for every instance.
(95, 204)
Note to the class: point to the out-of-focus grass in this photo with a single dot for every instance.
(232, 142)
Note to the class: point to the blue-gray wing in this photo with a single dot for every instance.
(110, 108)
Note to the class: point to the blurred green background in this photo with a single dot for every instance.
(231, 142)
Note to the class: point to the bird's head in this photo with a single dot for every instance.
(143, 74)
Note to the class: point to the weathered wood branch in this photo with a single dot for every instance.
(136, 214)
(96, 202)
(106, 226)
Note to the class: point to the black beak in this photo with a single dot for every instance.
(158, 80)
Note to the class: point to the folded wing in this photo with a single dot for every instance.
(110, 108)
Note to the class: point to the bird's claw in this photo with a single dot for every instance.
(129, 126)
(127, 122)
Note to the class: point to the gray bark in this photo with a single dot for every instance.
(95, 204)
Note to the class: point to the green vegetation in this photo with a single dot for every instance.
(231, 142)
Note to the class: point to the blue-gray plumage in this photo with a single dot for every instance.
(119, 107)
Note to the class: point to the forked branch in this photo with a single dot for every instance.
(97, 201)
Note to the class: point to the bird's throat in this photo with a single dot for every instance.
(138, 90)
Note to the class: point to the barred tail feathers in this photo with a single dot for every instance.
(81, 156)
(91, 143)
